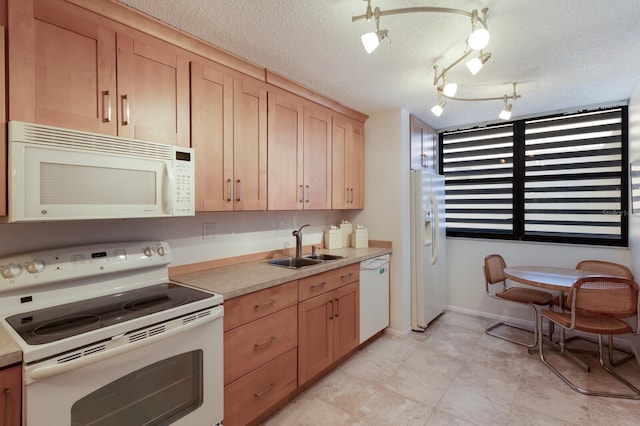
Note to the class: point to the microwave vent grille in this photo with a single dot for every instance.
(68, 139)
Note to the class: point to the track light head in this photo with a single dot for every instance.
(437, 109)
(479, 37)
(505, 114)
(474, 65)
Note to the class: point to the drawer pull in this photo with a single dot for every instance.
(268, 303)
(315, 286)
(349, 275)
(7, 394)
(331, 314)
(268, 389)
(266, 342)
(337, 307)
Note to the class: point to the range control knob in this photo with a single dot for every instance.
(148, 251)
(160, 250)
(35, 266)
(10, 271)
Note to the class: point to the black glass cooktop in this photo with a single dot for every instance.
(62, 321)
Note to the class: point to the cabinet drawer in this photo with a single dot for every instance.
(248, 397)
(250, 307)
(251, 345)
(327, 281)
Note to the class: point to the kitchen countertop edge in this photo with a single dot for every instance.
(244, 278)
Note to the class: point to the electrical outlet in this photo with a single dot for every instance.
(208, 230)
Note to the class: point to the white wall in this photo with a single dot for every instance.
(386, 212)
(237, 233)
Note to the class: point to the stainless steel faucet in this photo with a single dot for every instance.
(298, 234)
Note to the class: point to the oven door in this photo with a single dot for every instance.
(174, 379)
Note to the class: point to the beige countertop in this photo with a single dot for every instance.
(236, 280)
(10, 352)
(232, 281)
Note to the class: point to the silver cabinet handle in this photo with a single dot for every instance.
(106, 106)
(349, 275)
(322, 284)
(239, 191)
(337, 307)
(127, 112)
(266, 342)
(308, 193)
(267, 303)
(268, 389)
(351, 192)
(301, 193)
(7, 393)
(229, 190)
(331, 314)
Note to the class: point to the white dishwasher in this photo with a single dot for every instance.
(374, 296)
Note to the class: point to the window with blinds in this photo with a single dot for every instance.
(558, 179)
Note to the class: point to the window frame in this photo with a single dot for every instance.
(518, 190)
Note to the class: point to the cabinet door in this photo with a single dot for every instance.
(346, 319)
(285, 150)
(424, 145)
(62, 66)
(317, 157)
(355, 152)
(11, 395)
(153, 91)
(211, 136)
(315, 336)
(348, 164)
(249, 144)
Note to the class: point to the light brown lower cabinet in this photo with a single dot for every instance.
(260, 356)
(261, 389)
(329, 323)
(11, 399)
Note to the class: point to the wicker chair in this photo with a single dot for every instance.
(494, 275)
(597, 305)
(608, 268)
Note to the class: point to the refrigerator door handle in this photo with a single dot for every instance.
(435, 228)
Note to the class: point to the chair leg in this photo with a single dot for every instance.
(635, 395)
(627, 355)
(535, 332)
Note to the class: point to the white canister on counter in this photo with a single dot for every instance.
(347, 228)
(333, 238)
(360, 237)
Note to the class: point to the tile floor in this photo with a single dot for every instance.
(455, 374)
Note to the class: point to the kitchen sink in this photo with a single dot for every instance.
(324, 257)
(295, 262)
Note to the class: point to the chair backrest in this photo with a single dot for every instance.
(604, 267)
(612, 296)
(494, 269)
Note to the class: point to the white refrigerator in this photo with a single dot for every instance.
(428, 248)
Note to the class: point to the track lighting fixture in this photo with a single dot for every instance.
(474, 65)
(370, 41)
(505, 114)
(477, 40)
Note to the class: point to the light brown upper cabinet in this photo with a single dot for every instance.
(348, 163)
(424, 145)
(72, 68)
(229, 136)
(299, 170)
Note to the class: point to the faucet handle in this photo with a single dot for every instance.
(313, 250)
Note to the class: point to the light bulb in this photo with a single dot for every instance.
(474, 65)
(505, 114)
(437, 109)
(370, 41)
(478, 39)
(450, 89)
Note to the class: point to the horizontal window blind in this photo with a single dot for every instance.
(559, 179)
(573, 176)
(478, 170)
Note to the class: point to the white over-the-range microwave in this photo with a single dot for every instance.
(60, 174)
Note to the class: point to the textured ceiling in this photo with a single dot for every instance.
(563, 54)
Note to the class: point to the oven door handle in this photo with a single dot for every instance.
(35, 373)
